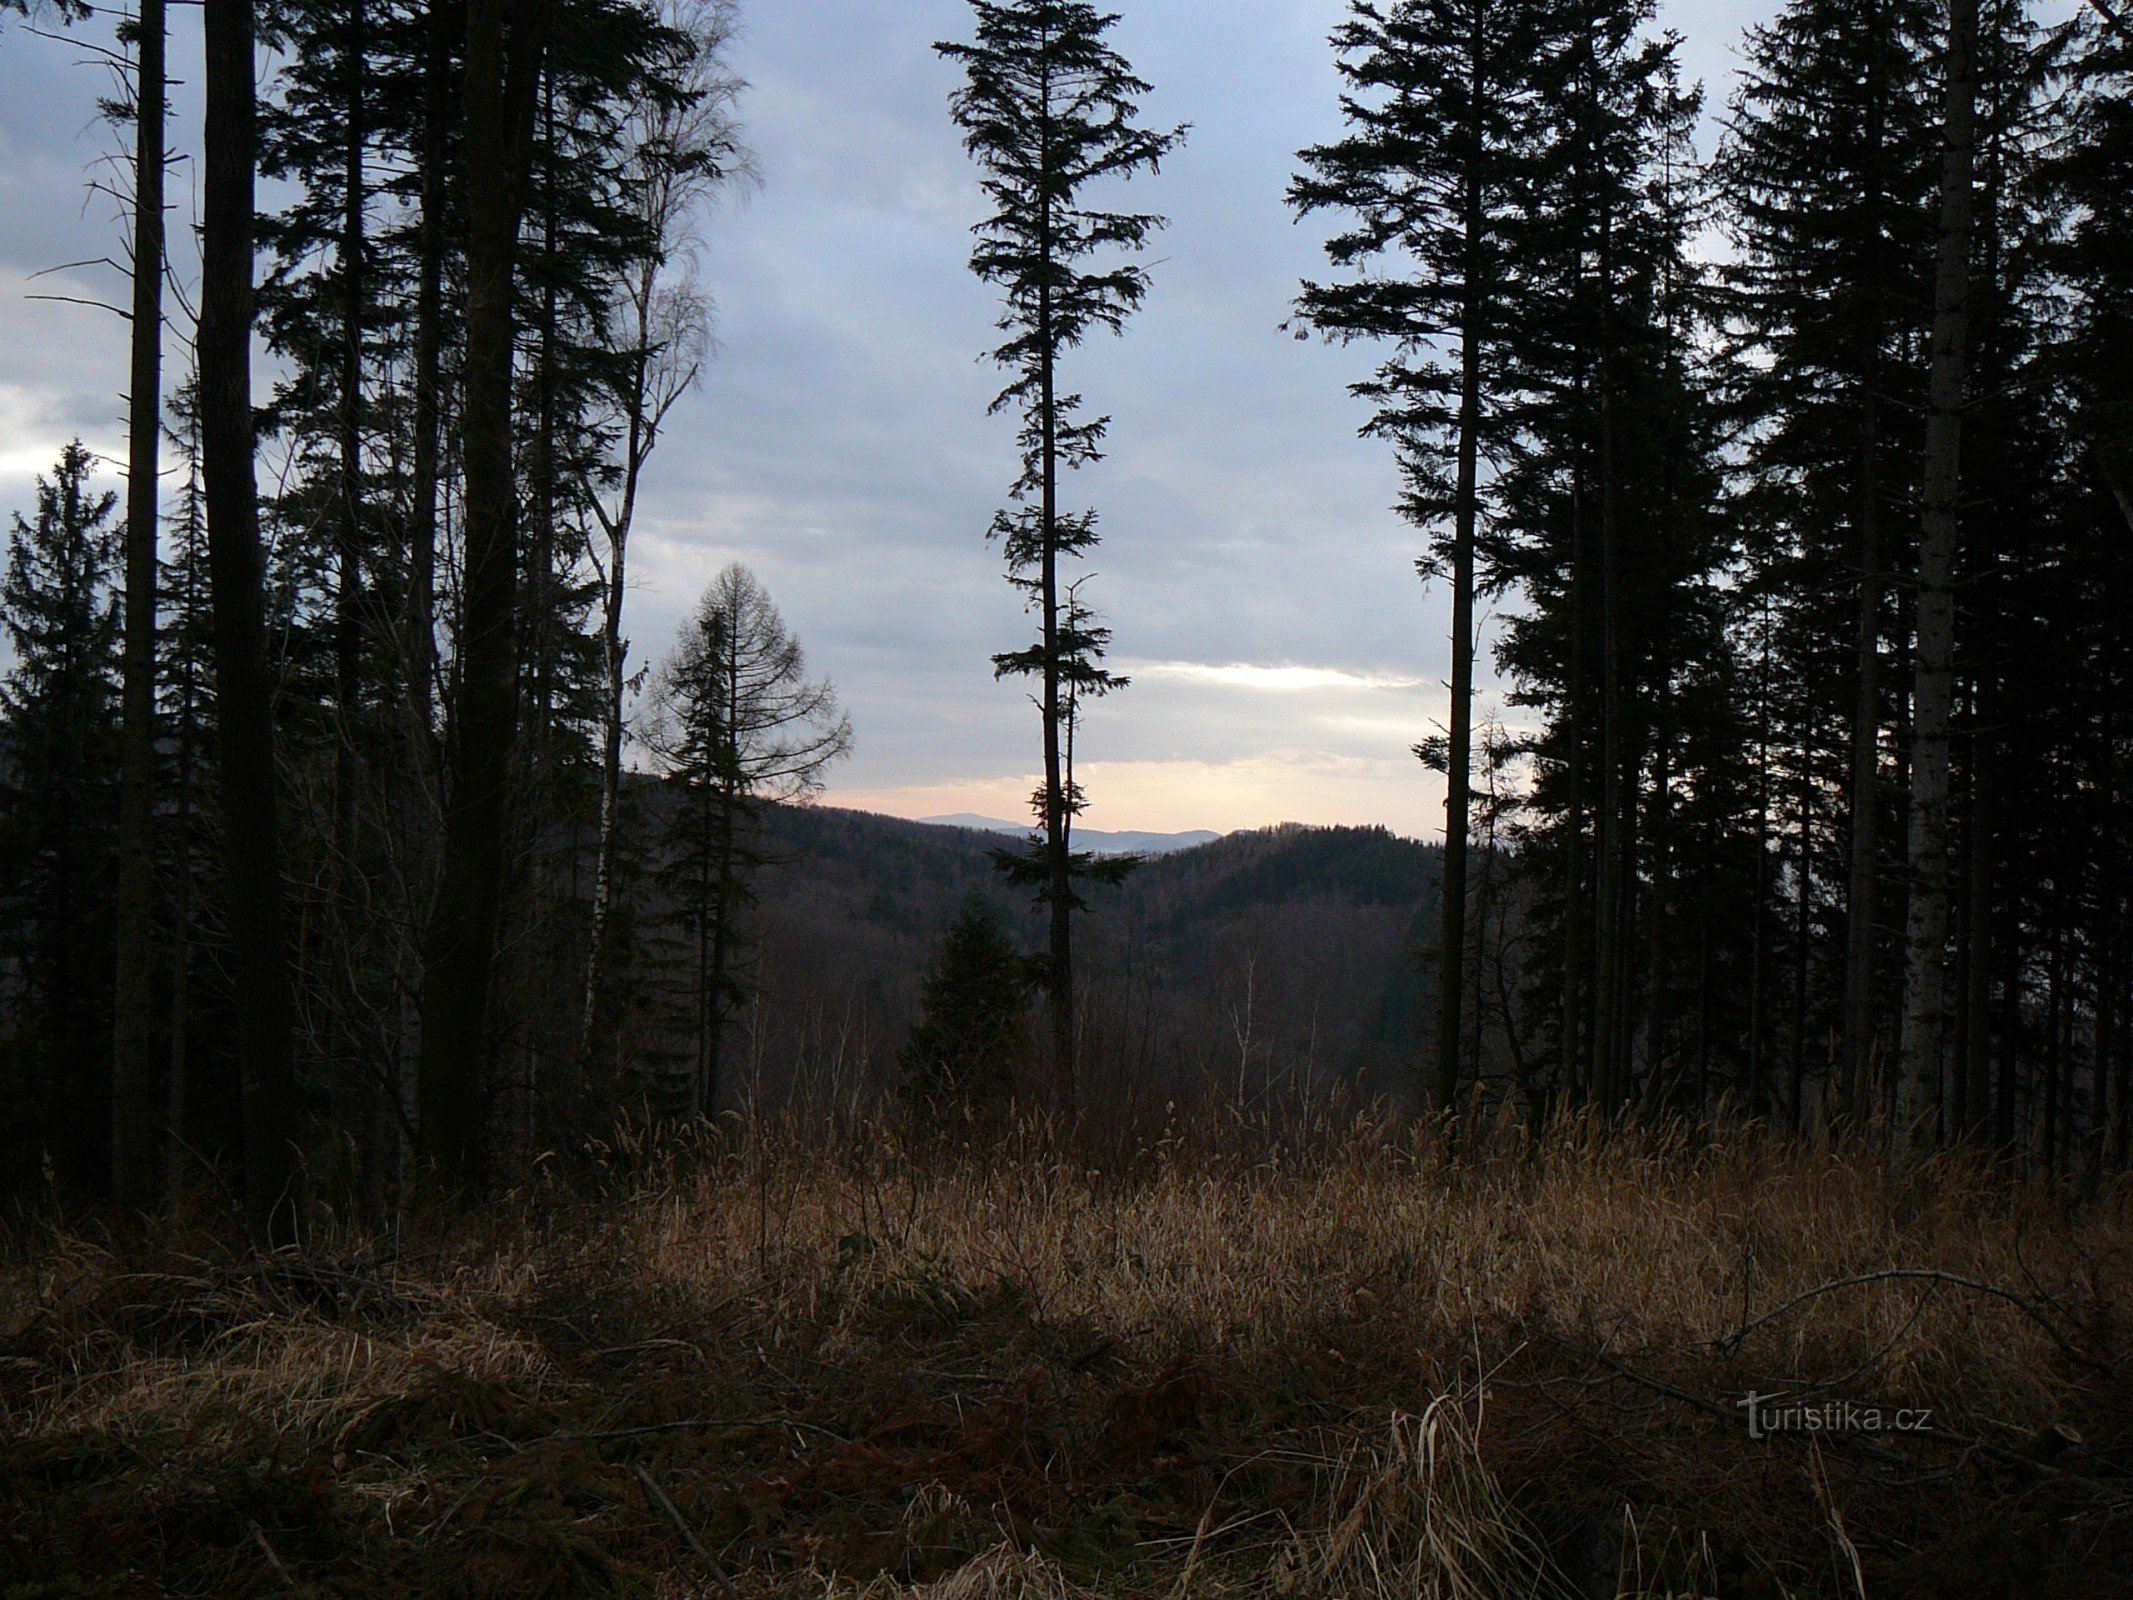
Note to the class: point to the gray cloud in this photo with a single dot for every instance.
(840, 446)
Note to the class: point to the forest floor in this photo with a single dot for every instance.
(997, 1374)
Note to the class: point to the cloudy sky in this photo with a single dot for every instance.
(1262, 597)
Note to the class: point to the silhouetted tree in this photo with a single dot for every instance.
(1827, 175)
(738, 726)
(1926, 994)
(133, 1125)
(681, 149)
(1047, 109)
(259, 951)
(58, 818)
(1445, 121)
(502, 78)
(973, 1030)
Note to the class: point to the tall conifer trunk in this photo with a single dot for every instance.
(1940, 540)
(421, 624)
(503, 68)
(258, 942)
(1058, 848)
(1977, 1058)
(1863, 884)
(133, 1166)
(1612, 937)
(1046, 107)
(1459, 756)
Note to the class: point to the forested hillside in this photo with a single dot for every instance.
(1269, 965)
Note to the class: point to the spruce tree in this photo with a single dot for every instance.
(1828, 173)
(1925, 1000)
(1444, 122)
(1607, 535)
(504, 65)
(59, 813)
(1048, 109)
(133, 1172)
(966, 1050)
(252, 830)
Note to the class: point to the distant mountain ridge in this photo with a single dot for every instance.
(1129, 843)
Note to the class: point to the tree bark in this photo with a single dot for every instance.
(1758, 1005)
(133, 1166)
(429, 343)
(502, 72)
(1863, 882)
(259, 952)
(1611, 936)
(1977, 1064)
(614, 653)
(1058, 814)
(1939, 542)
(1575, 1066)
(1458, 789)
(348, 601)
(1802, 942)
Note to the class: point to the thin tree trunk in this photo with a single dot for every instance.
(614, 650)
(2103, 1047)
(259, 951)
(1058, 848)
(348, 602)
(502, 73)
(1802, 942)
(429, 344)
(1940, 540)
(1655, 1009)
(728, 880)
(342, 851)
(2114, 973)
(705, 899)
(1863, 879)
(1610, 934)
(1977, 1063)
(1758, 1003)
(2054, 980)
(725, 867)
(181, 955)
(133, 1166)
(1858, 1020)
(1575, 1063)
(1458, 797)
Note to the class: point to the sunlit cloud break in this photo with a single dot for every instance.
(1266, 679)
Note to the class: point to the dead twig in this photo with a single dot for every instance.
(666, 1508)
(1732, 1342)
(689, 1425)
(259, 1537)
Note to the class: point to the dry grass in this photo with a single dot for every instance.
(998, 1374)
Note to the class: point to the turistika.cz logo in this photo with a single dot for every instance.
(1772, 1414)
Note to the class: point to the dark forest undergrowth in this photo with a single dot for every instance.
(991, 1372)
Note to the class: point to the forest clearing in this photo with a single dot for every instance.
(1441, 907)
(1227, 1364)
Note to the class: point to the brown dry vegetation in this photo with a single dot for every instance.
(994, 1373)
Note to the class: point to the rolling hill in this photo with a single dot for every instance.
(1256, 962)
